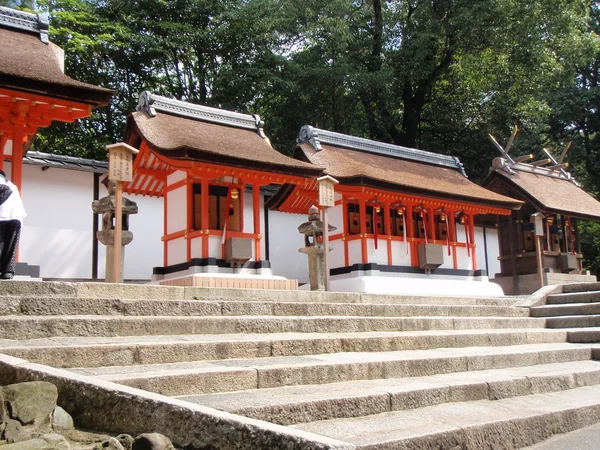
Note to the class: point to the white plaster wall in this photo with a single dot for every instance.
(464, 262)
(399, 255)
(176, 211)
(146, 250)
(377, 255)
(284, 242)
(336, 255)
(57, 232)
(335, 218)
(196, 247)
(176, 251)
(354, 252)
(448, 259)
(248, 223)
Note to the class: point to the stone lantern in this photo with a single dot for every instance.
(313, 247)
(106, 206)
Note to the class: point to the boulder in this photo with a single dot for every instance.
(61, 420)
(110, 444)
(13, 431)
(126, 441)
(56, 441)
(31, 403)
(152, 441)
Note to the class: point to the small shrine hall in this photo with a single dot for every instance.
(34, 91)
(406, 219)
(546, 188)
(209, 165)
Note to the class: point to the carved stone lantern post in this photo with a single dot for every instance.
(107, 206)
(314, 248)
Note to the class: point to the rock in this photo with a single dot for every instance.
(152, 441)
(31, 444)
(126, 441)
(31, 403)
(13, 431)
(61, 420)
(109, 444)
(56, 441)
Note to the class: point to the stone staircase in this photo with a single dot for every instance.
(575, 309)
(371, 371)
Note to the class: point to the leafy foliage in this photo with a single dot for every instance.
(438, 75)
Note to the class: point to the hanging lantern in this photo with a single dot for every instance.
(235, 194)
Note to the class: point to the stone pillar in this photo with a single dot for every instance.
(106, 206)
(313, 241)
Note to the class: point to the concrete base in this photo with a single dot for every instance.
(527, 284)
(420, 284)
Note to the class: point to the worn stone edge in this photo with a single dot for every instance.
(94, 404)
(538, 298)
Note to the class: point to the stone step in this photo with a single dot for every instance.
(574, 297)
(30, 327)
(50, 289)
(507, 423)
(106, 351)
(11, 305)
(227, 375)
(581, 287)
(573, 321)
(586, 335)
(571, 309)
(298, 404)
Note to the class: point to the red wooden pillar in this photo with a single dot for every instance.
(16, 174)
(410, 235)
(431, 224)
(3, 141)
(387, 230)
(363, 230)
(471, 221)
(256, 212)
(452, 233)
(346, 230)
(165, 209)
(190, 215)
(204, 220)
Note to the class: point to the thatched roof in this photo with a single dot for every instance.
(549, 191)
(355, 161)
(29, 65)
(185, 131)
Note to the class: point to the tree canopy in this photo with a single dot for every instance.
(432, 74)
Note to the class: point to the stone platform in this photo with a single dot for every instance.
(239, 368)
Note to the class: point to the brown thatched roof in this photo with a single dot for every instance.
(185, 138)
(357, 167)
(548, 193)
(29, 65)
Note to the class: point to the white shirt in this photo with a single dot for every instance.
(12, 208)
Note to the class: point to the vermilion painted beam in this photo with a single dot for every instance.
(256, 212)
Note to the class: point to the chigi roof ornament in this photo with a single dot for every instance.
(316, 137)
(151, 103)
(549, 166)
(33, 23)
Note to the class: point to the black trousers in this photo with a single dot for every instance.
(10, 232)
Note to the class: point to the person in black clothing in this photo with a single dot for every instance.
(11, 219)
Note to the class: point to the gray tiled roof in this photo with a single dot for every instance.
(65, 162)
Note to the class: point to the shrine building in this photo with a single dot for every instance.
(548, 189)
(406, 219)
(209, 166)
(34, 92)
